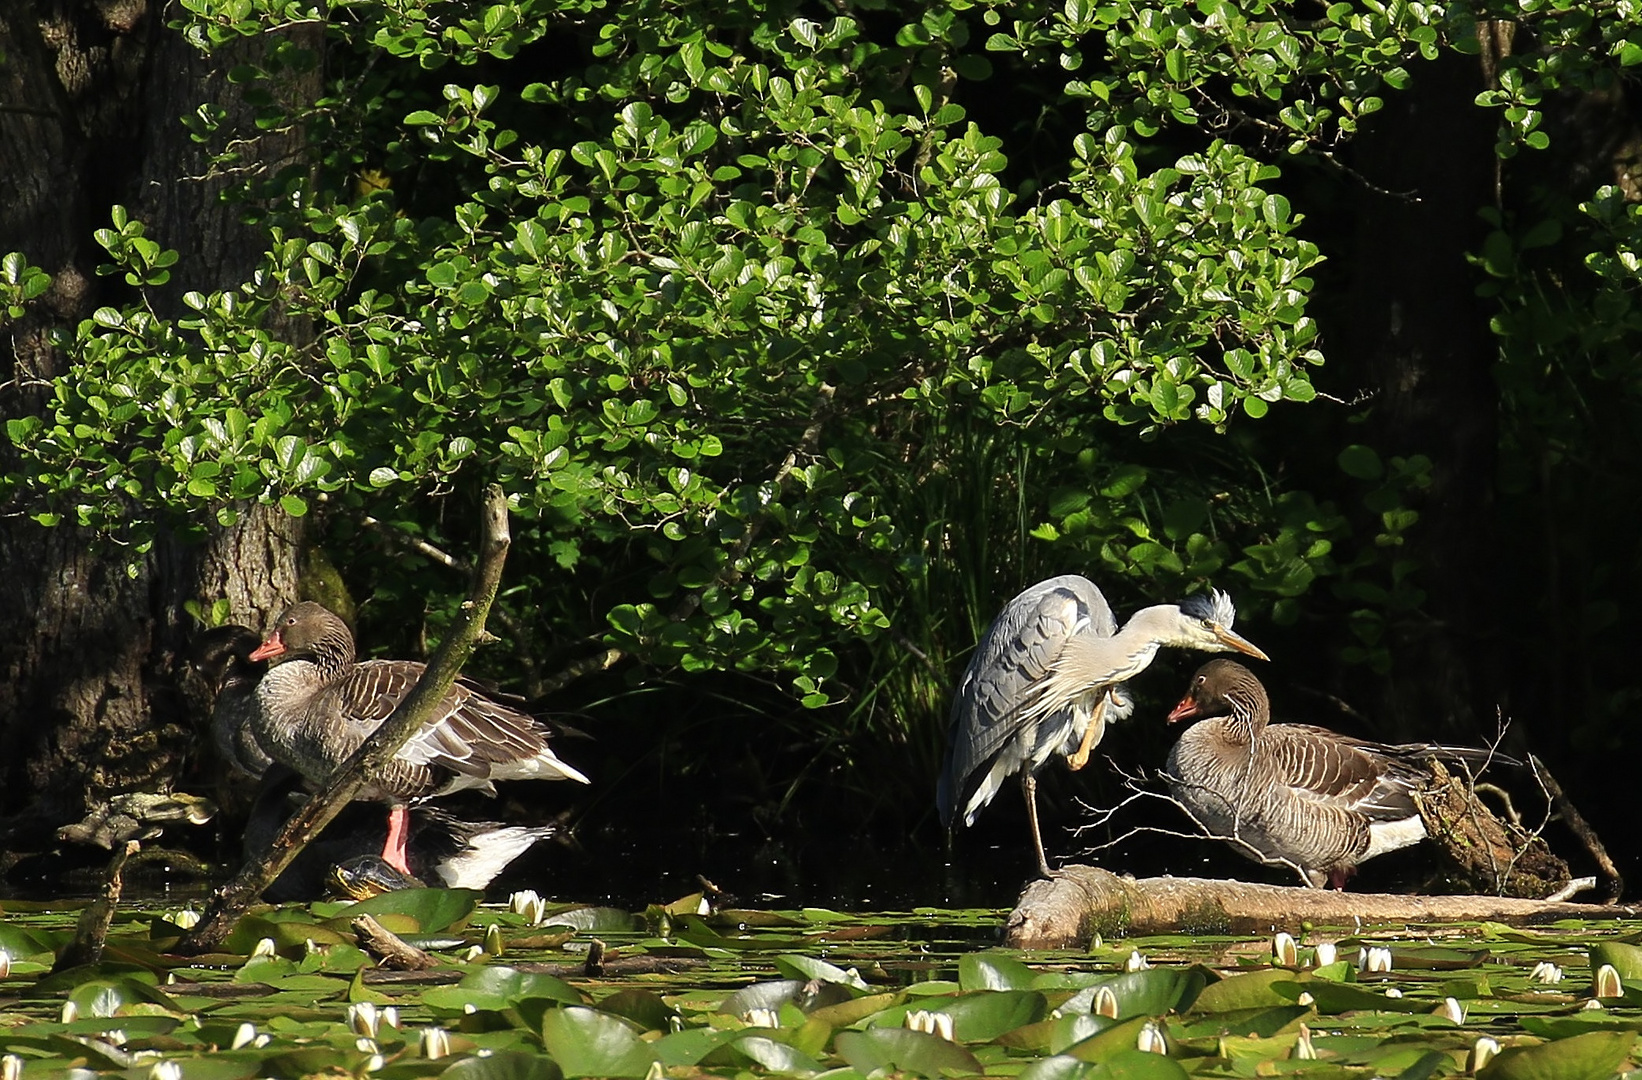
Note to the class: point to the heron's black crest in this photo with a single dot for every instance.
(1213, 605)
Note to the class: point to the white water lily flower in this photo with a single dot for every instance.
(1393, 992)
(186, 919)
(365, 1045)
(935, 1023)
(389, 1015)
(474, 952)
(1452, 1009)
(525, 902)
(246, 1035)
(1106, 1002)
(165, 1070)
(435, 1043)
(71, 1012)
(1303, 1050)
(1545, 972)
(1136, 962)
(764, 1018)
(1607, 982)
(1305, 998)
(1151, 1039)
(1593, 1004)
(493, 939)
(11, 1067)
(5, 966)
(114, 1037)
(363, 1019)
(1482, 1051)
(265, 947)
(1284, 952)
(375, 1063)
(1374, 958)
(1325, 953)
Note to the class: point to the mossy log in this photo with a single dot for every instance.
(1067, 910)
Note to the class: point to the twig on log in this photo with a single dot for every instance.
(1579, 827)
(388, 948)
(92, 929)
(1066, 911)
(231, 900)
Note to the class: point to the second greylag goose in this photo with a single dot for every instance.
(1046, 677)
(316, 705)
(222, 655)
(1293, 794)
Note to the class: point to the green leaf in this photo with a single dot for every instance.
(993, 971)
(1595, 1056)
(583, 1042)
(1361, 462)
(903, 1050)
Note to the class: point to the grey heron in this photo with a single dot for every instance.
(1046, 676)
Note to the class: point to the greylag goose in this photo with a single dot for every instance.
(442, 849)
(1047, 676)
(222, 655)
(316, 705)
(1293, 794)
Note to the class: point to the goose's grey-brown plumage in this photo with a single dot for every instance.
(316, 705)
(222, 655)
(1293, 794)
(1046, 677)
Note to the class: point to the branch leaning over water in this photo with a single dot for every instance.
(231, 900)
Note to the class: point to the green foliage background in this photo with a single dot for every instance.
(802, 338)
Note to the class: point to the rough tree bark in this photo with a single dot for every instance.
(1066, 910)
(93, 698)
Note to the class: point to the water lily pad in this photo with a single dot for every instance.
(497, 988)
(845, 1013)
(688, 1047)
(504, 1065)
(762, 995)
(1595, 1056)
(776, 1056)
(983, 1016)
(1248, 990)
(993, 971)
(642, 1007)
(584, 1042)
(597, 920)
(903, 1050)
(810, 967)
(1626, 959)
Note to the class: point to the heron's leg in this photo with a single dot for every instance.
(1091, 734)
(1029, 786)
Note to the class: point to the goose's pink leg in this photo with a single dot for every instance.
(393, 849)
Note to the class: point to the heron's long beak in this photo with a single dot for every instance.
(1240, 643)
(1183, 711)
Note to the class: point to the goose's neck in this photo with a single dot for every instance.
(1248, 711)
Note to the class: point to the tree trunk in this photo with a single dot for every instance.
(1066, 910)
(1417, 325)
(93, 698)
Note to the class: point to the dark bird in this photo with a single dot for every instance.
(442, 849)
(316, 705)
(1045, 679)
(222, 655)
(1293, 794)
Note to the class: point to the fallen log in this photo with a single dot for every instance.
(1067, 910)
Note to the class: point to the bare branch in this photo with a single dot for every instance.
(231, 900)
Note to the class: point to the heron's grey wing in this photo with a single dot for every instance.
(988, 739)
